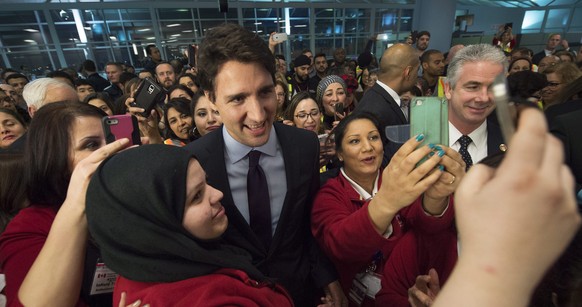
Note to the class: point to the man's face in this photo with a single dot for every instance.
(156, 56)
(113, 72)
(339, 55)
(9, 90)
(302, 72)
(435, 65)
(84, 91)
(320, 64)
(422, 42)
(18, 84)
(310, 56)
(547, 62)
(165, 74)
(282, 66)
(554, 41)
(470, 101)
(246, 105)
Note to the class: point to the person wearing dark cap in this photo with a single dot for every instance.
(299, 81)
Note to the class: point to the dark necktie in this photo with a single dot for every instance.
(465, 140)
(258, 195)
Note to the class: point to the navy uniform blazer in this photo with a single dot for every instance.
(293, 258)
(378, 102)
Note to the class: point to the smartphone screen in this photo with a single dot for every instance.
(192, 55)
(121, 126)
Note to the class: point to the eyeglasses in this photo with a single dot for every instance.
(303, 116)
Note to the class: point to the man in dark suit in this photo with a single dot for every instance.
(567, 128)
(554, 40)
(237, 74)
(470, 76)
(398, 73)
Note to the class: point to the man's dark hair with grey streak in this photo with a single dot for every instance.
(473, 54)
(231, 42)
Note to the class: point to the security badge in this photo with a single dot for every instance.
(103, 279)
(366, 283)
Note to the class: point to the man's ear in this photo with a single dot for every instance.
(447, 89)
(424, 65)
(31, 111)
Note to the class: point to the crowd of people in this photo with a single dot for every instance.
(266, 184)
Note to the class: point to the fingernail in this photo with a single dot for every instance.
(431, 146)
(136, 303)
(442, 168)
(123, 141)
(438, 148)
(431, 154)
(441, 153)
(420, 137)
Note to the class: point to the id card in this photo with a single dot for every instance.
(103, 280)
(372, 282)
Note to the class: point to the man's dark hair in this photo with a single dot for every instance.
(149, 49)
(421, 33)
(119, 65)
(89, 66)
(280, 57)
(231, 42)
(304, 51)
(60, 74)
(425, 57)
(7, 70)
(15, 76)
(126, 76)
(81, 82)
(320, 55)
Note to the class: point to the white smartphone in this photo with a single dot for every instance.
(279, 37)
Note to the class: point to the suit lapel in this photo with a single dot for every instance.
(393, 105)
(494, 137)
(219, 180)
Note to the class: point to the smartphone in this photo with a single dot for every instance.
(339, 108)
(121, 126)
(280, 37)
(192, 55)
(148, 94)
(430, 116)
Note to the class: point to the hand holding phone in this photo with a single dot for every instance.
(279, 37)
(121, 126)
(148, 94)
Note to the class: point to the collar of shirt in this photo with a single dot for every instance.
(364, 195)
(237, 151)
(390, 91)
(478, 136)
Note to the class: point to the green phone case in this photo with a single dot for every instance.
(430, 116)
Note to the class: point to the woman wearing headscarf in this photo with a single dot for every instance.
(161, 234)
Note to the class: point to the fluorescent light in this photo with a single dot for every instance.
(31, 30)
(134, 46)
(280, 21)
(173, 25)
(144, 30)
(187, 31)
(258, 23)
(29, 41)
(151, 37)
(171, 41)
(174, 35)
(87, 28)
(300, 26)
(113, 38)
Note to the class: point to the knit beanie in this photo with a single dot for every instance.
(325, 82)
(301, 60)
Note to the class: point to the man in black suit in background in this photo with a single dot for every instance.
(470, 76)
(236, 71)
(398, 73)
(567, 128)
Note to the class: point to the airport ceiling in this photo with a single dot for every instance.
(490, 3)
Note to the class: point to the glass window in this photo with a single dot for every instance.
(557, 20)
(178, 29)
(175, 13)
(387, 20)
(324, 13)
(135, 14)
(576, 24)
(18, 17)
(406, 20)
(532, 21)
(215, 14)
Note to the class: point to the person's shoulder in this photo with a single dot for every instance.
(206, 144)
(293, 133)
(33, 219)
